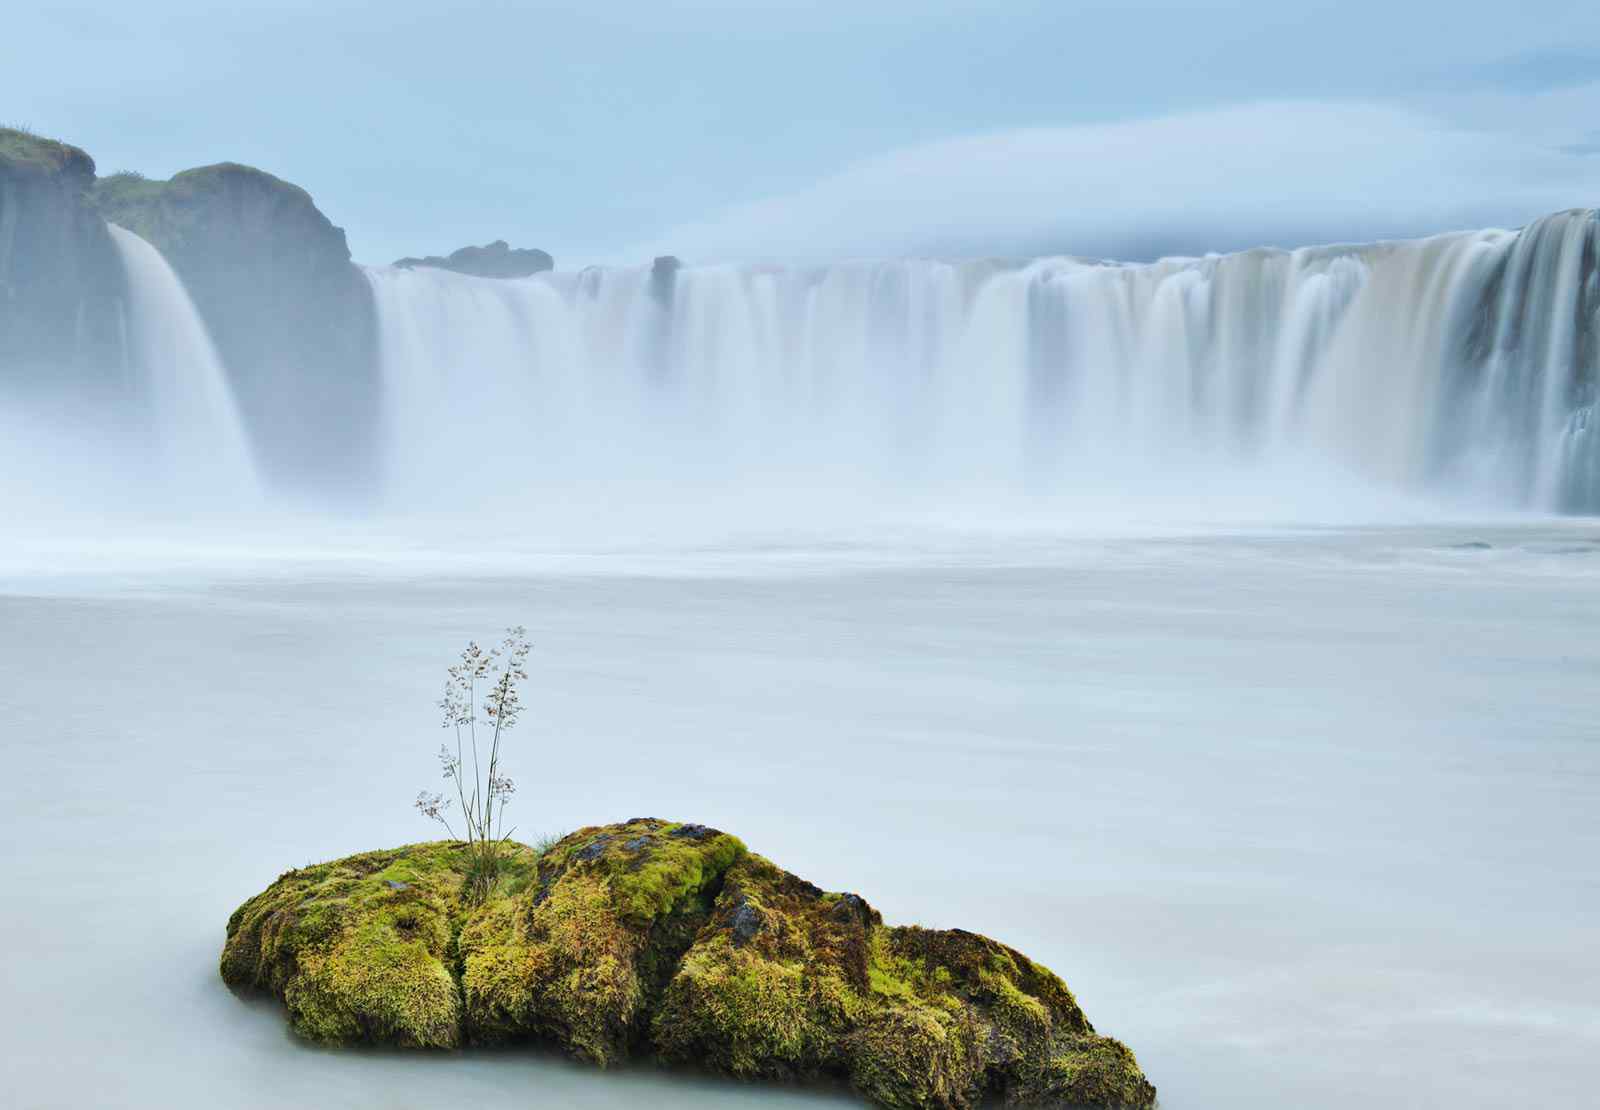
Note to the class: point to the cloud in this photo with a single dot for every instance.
(1281, 173)
(1539, 70)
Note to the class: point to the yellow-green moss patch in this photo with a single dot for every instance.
(362, 949)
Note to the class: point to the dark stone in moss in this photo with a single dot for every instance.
(641, 939)
(746, 922)
(493, 260)
(851, 905)
(593, 850)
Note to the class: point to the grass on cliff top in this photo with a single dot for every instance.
(135, 188)
(21, 147)
(127, 187)
(160, 211)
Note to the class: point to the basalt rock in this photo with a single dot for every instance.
(493, 260)
(671, 942)
(61, 280)
(292, 317)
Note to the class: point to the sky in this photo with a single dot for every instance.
(610, 131)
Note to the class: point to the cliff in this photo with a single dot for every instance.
(60, 276)
(292, 317)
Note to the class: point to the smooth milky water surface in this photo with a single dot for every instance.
(1305, 816)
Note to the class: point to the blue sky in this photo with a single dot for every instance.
(718, 129)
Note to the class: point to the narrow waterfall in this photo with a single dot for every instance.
(1464, 363)
(199, 437)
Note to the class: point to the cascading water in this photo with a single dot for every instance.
(198, 434)
(1464, 362)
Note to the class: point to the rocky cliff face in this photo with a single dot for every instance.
(271, 276)
(61, 281)
(292, 317)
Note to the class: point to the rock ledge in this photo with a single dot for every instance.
(493, 260)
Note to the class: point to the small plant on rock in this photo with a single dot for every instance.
(493, 675)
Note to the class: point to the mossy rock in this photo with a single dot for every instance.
(22, 150)
(582, 956)
(227, 204)
(652, 939)
(363, 949)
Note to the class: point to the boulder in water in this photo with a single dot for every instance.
(493, 260)
(674, 942)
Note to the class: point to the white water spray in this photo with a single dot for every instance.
(201, 440)
(1463, 363)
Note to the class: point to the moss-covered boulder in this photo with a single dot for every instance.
(653, 939)
(364, 949)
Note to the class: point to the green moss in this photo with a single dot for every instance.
(1091, 1071)
(917, 1056)
(671, 939)
(896, 976)
(669, 875)
(581, 954)
(384, 981)
(496, 961)
(21, 149)
(652, 869)
(561, 970)
(172, 214)
(363, 948)
(733, 1010)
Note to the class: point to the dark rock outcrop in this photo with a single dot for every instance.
(674, 942)
(493, 260)
(664, 279)
(61, 280)
(292, 317)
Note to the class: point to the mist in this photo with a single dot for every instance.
(701, 401)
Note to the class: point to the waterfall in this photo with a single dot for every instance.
(1462, 363)
(197, 430)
